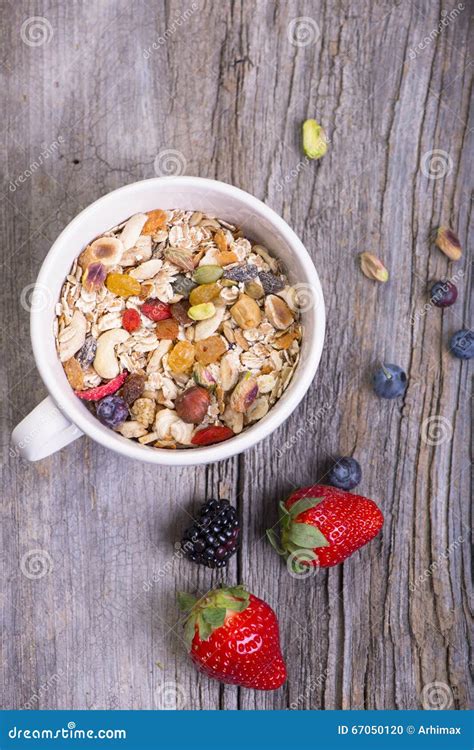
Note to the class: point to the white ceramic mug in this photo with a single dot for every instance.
(62, 417)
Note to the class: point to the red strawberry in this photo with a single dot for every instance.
(233, 637)
(100, 391)
(322, 526)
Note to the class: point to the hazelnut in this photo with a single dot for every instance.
(192, 405)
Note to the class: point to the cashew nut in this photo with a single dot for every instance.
(141, 252)
(105, 361)
(234, 420)
(230, 369)
(258, 410)
(147, 270)
(73, 336)
(206, 328)
(163, 421)
(132, 429)
(132, 230)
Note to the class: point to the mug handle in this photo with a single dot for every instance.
(42, 432)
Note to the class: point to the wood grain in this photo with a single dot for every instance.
(228, 87)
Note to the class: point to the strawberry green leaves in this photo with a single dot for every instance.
(298, 536)
(306, 536)
(211, 611)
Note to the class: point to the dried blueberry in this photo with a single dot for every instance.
(241, 273)
(271, 283)
(112, 411)
(85, 355)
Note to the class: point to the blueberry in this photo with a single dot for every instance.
(443, 294)
(390, 381)
(345, 474)
(462, 344)
(112, 411)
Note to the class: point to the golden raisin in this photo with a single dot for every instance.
(210, 350)
(122, 284)
(204, 293)
(167, 329)
(181, 357)
(156, 220)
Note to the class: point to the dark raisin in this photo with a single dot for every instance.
(241, 273)
(133, 388)
(271, 283)
(85, 355)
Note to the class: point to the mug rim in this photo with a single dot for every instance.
(252, 435)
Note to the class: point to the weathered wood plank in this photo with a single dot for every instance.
(228, 90)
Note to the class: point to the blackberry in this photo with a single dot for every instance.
(214, 537)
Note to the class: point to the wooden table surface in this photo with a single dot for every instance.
(95, 96)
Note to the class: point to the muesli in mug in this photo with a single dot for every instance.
(176, 330)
